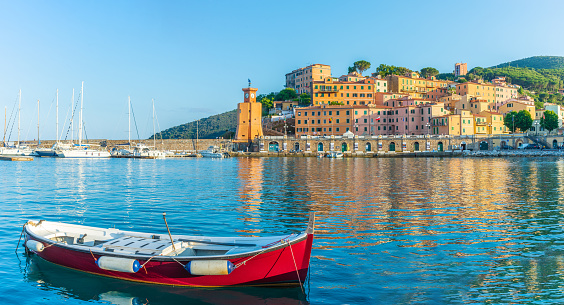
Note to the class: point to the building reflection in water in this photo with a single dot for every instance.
(250, 174)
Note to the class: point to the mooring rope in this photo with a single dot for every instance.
(245, 261)
(299, 280)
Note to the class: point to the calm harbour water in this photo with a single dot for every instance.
(388, 231)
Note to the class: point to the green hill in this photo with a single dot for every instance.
(536, 62)
(208, 128)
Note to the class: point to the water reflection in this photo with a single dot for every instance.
(395, 231)
(70, 284)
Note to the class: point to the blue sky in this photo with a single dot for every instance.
(193, 57)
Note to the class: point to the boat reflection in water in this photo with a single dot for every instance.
(71, 284)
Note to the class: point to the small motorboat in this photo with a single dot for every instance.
(335, 155)
(177, 260)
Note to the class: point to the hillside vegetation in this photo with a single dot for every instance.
(536, 62)
(208, 128)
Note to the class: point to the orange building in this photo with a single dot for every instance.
(460, 69)
(302, 79)
(249, 117)
(324, 120)
(331, 91)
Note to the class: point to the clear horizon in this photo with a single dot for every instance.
(194, 58)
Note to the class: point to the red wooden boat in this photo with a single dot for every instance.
(184, 261)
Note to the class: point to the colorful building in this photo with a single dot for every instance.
(416, 86)
(302, 79)
(331, 91)
(454, 124)
(249, 117)
(460, 69)
(485, 91)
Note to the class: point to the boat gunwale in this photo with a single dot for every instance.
(94, 250)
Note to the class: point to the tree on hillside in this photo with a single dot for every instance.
(304, 99)
(352, 69)
(402, 70)
(361, 66)
(549, 120)
(523, 120)
(287, 94)
(267, 104)
(509, 121)
(428, 72)
(385, 70)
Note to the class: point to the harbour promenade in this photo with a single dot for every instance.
(357, 146)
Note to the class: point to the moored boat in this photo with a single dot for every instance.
(184, 261)
(335, 154)
(213, 152)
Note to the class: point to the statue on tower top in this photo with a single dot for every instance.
(249, 83)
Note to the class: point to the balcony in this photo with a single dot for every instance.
(328, 89)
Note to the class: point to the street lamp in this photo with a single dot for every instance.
(427, 142)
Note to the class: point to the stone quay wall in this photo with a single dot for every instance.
(386, 144)
(183, 145)
(353, 146)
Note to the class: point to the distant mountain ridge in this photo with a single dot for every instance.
(536, 62)
(208, 128)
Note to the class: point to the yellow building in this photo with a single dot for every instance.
(494, 121)
(476, 106)
(416, 86)
(517, 105)
(485, 91)
(454, 124)
(249, 117)
(302, 79)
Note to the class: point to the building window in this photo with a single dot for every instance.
(337, 129)
(348, 112)
(337, 121)
(348, 121)
(299, 121)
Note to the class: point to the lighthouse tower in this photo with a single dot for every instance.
(249, 117)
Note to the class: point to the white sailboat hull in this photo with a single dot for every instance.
(84, 153)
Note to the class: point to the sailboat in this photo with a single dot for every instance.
(18, 149)
(52, 152)
(137, 150)
(144, 151)
(82, 150)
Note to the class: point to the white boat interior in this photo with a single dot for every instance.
(126, 243)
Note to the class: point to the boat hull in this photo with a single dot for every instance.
(79, 153)
(273, 267)
(46, 153)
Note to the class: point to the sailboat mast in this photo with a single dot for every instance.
(154, 135)
(5, 111)
(57, 125)
(19, 115)
(80, 115)
(129, 121)
(72, 117)
(197, 134)
(38, 142)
